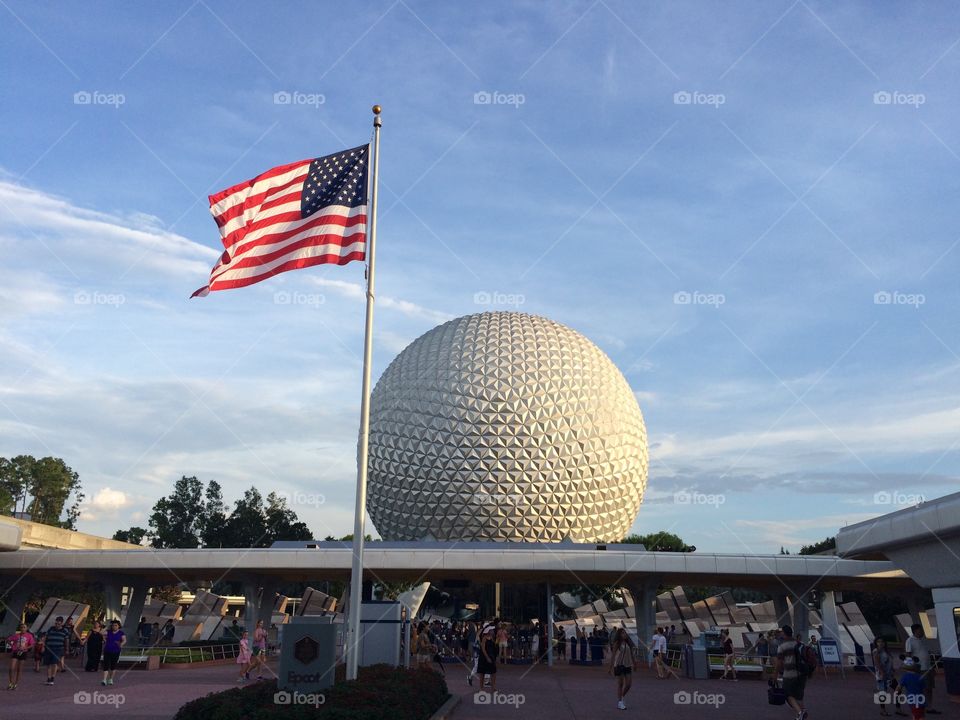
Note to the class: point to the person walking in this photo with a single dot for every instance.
(475, 650)
(94, 647)
(488, 659)
(244, 657)
(917, 647)
(112, 647)
(621, 665)
(659, 642)
(583, 644)
(913, 688)
(502, 643)
(259, 649)
(883, 674)
(793, 680)
(424, 646)
(728, 655)
(54, 648)
(144, 630)
(21, 643)
(573, 645)
(38, 650)
(73, 643)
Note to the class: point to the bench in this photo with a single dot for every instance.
(149, 662)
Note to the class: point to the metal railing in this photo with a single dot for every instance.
(191, 653)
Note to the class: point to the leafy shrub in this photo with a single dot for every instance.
(382, 692)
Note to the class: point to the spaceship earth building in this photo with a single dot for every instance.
(505, 426)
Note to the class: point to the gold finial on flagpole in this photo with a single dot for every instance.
(376, 109)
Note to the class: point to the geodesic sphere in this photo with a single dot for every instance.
(505, 426)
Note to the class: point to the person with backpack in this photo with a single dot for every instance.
(792, 666)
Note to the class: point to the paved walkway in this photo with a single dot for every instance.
(589, 693)
(137, 694)
(564, 693)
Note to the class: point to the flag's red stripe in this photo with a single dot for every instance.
(237, 248)
(261, 200)
(273, 172)
(291, 265)
(252, 261)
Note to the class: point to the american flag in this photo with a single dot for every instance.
(293, 216)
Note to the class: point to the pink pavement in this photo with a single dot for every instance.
(561, 693)
(589, 693)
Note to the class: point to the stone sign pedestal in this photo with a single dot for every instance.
(308, 655)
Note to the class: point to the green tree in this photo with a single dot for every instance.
(177, 519)
(282, 522)
(134, 535)
(661, 541)
(247, 525)
(41, 488)
(14, 480)
(214, 516)
(816, 548)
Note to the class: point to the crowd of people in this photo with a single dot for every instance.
(51, 648)
(791, 661)
(102, 645)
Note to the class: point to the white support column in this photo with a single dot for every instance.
(801, 615)
(251, 590)
(267, 599)
(137, 599)
(828, 612)
(944, 602)
(644, 593)
(112, 601)
(781, 608)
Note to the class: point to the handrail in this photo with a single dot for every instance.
(221, 651)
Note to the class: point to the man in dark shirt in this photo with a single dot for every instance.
(55, 648)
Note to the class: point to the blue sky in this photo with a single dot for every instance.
(748, 206)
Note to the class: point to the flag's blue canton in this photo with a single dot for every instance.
(338, 179)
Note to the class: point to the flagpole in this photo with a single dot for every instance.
(356, 573)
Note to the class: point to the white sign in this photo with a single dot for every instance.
(829, 652)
